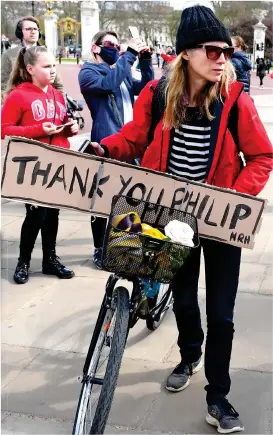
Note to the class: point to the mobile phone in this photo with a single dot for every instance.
(134, 32)
(87, 148)
(60, 128)
(65, 125)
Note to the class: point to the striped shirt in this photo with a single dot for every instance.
(190, 147)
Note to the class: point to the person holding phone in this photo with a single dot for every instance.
(108, 88)
(35, 110)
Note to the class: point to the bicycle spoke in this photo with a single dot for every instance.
(98, 367)
(109, 342)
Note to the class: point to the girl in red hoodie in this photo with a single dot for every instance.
(35, 110)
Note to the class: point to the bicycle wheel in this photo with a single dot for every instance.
(164, 300)
(102, 373)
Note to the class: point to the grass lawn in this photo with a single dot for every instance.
(68, 60)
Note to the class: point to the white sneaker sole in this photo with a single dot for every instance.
(213, 422)
(176, 390)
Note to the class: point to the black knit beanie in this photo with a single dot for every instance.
(199, 24)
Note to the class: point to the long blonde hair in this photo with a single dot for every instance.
(19, 73)
(176, 92)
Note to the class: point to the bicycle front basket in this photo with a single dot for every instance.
(131, 253)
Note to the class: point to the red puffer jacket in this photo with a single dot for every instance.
(224, 166)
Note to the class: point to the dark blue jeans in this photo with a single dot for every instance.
(222, 267)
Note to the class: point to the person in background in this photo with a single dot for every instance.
(268, 65)
(191, 141)
(78, 56)
(257, 63)
(167, 56)
(157, 52)
(35, 110)
(60, 55)
(28, 31)
(261, 70)
(241, 62)
(108, 88)
(5, 44)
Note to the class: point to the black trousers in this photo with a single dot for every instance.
(261, 80)
(98, 226)
(222, 267)
(39, 218)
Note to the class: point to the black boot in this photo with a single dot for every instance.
(21, 272)
(52, 266)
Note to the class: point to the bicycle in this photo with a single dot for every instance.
(132, 256)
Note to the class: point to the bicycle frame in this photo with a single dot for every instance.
(134, 301)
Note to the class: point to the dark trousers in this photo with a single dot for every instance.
(261, 80)
(222, 267)
(39, 218)
(98, 226)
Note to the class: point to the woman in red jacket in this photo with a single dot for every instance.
(192, 140)
(35, 110)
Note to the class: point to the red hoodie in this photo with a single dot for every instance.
(27, 107)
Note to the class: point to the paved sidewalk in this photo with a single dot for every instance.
(47, 325)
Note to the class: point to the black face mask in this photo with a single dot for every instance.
(109, 55)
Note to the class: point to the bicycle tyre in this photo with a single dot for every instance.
(114, 362)
(112, 369)
(153, 324)
(99, 323)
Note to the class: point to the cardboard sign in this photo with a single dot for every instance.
(38, 173)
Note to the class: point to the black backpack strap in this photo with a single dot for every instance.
(233, 127)
(158, 106)
(233, 124)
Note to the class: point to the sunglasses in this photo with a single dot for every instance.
(109, 44)
(213, 52)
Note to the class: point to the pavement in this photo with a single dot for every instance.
(47, 325)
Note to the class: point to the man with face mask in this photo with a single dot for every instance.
(108, 88)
